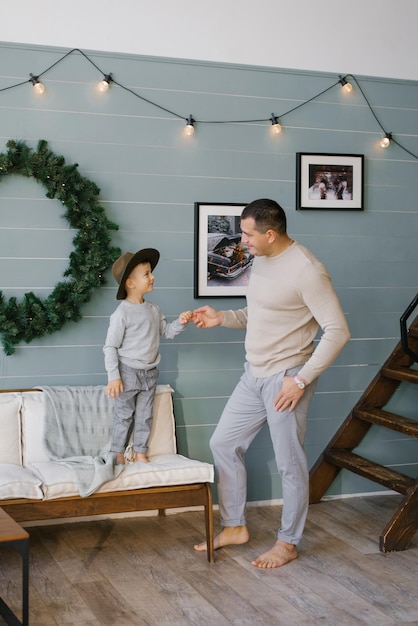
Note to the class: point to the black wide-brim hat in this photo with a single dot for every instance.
(124, 265)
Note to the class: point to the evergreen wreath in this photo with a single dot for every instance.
(92, 254)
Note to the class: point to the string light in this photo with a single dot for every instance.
(347, 87)
(104, 84)
(189, 128)
(275, 126)
(38, 87)
(385, 141)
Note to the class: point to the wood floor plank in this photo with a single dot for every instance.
(151, 554)
(347, 523)
(105, 603)
(144, 571)
(271, 602)
(368, 578)
(305, 595)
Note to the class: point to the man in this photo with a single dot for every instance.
(289, 297)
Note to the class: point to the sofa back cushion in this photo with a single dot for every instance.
(162, 438)
(33, 412)
(10, 446)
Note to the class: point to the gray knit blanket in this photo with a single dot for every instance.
(78, 426)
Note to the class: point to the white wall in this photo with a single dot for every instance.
(361, 37)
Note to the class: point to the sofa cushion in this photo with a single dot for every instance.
(33, 412)
(10, 446)
(169, 469)
(18, 482)
(57, 480)
(163, 470)
(162, 439)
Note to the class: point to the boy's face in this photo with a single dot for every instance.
(140, 280)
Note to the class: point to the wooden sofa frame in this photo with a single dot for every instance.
(145, 499)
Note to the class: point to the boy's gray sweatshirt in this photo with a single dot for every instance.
(133, 337)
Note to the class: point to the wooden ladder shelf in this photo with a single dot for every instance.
(338, 454)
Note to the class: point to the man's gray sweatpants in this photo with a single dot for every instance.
(247, 410)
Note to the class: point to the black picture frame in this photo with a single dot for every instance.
(222, 262)
(329, 181)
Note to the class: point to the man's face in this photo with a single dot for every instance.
(257, 242)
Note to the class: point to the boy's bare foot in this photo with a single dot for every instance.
(230, 535)
(140, 457)
(120, 459)
(280, 554)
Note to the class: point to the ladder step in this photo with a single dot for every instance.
(373, 471)
(404, 374)
(389, 420)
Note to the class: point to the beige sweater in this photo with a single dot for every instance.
(290, 296)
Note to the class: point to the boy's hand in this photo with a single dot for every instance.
(185, 317)
(114, 388)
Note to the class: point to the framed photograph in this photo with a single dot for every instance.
(329, 181)
(222, 261)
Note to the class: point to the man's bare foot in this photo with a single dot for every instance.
(140, 457)
(230, 535)
(280, 554)
(120, 459)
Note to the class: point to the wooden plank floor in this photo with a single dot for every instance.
(138, 571)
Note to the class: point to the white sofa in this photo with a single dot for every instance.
(33, 487)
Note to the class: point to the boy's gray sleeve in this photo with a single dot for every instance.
(169, 330)
(113, 342)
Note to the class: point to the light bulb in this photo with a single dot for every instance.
(385, 141)
(275, 126)
(104, 84)
(38, 87)
(189, 128)
(347, 87)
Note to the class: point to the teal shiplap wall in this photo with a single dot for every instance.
(150, 176)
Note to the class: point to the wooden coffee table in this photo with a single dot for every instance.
(13, 535)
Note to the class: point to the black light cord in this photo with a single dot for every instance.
(24, 82)
(403, 147)
(378, 121)
(368, 103)
(159, 106)
(341, 81)
(267, 119)
(310, 99)
(64, 57)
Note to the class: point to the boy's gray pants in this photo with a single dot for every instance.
(133, 409)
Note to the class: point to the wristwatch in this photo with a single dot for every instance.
(299, 382)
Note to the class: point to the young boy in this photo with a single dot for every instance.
(132, 351)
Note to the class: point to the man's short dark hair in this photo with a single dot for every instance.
(267, 215)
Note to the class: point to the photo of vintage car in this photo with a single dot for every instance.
(228, 258)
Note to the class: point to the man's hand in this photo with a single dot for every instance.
(206, 317)
(288, 396)
(114, 388)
